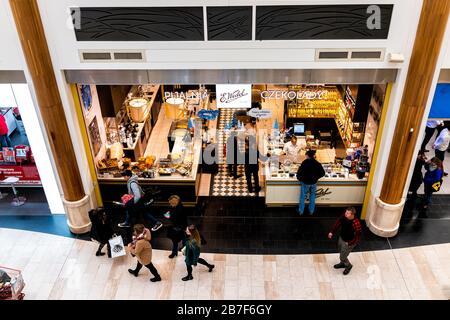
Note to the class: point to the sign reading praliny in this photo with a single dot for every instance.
(234, 96)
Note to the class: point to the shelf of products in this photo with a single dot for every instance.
(316, 102)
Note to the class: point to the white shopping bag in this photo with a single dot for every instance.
(117, 247)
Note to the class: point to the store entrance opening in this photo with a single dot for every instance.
(191, 140)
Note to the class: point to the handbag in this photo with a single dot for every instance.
(437, 185)
(117, 246)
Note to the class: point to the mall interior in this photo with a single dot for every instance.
(168, 93)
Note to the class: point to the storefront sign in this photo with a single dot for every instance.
(208, 114)
(294, 94)
(26, 174)
(185, 95)
(234, 96)
(260, 114)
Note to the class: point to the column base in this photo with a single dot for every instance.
(77, 215)
(384, 221)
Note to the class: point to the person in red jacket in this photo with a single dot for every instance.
(348, 239)
(4, 139)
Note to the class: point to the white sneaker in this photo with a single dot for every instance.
(157, 226)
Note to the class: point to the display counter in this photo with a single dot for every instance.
(339, 187)
(179, 175)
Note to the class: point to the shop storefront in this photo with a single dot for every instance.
(16, 156)
(172, 136)
(24, 159)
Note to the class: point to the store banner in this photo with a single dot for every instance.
(238, 96)
(26, 174)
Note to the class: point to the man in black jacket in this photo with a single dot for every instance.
(309, 172)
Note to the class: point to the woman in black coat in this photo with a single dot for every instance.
(101, 230)
(417, 178)
(178, 217)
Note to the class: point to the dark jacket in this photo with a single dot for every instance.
(179, 223)
(192, 252)
(233, 154)
(310, 171)
(101, 229)
(251, 160)
(417, 178)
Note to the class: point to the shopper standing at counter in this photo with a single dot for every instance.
(232, 154)
(309, 172)
(252, 156)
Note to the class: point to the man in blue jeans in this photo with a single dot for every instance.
(309, 172)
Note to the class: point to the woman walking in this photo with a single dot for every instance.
(142, 249)
(176, 231)
(192, 252)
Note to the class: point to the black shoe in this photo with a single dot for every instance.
(445, 174)
(339, 265)
(156, 279)
(211, 267)
(133, 272)
(172, 256)
(238, 176)
(157, 226)
(99, 253)
(347, 270)
(187, 278)
(257, 190)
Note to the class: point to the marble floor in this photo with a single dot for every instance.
(56, 267)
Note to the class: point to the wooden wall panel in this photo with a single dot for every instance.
(427, 47)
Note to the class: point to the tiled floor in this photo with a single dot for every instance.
(223, 185)
(62, 268)
(36, 203)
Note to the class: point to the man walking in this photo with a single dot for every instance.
(431, 127)
(309, 172)
(441, 144)
(348, 239)
(136, 205)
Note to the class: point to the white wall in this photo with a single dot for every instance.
(10, 50)
(221, 54)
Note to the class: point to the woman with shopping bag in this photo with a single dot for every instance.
(142, 250)
(192, 252)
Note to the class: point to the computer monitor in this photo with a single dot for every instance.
(299, 129)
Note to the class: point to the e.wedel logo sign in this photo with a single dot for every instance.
(234, 96)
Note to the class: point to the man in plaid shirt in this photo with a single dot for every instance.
(349, 238)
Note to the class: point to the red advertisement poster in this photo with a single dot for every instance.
(26, 174)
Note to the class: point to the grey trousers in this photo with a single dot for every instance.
(344, 251)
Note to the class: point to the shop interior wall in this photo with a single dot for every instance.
(94, 121)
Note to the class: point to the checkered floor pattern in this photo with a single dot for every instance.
(223, 185)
